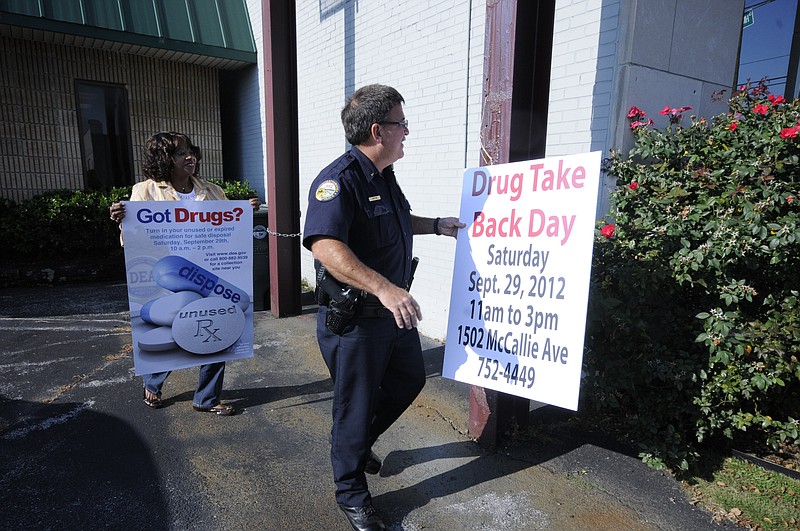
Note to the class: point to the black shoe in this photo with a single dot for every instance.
(374, 464)
(363, 518)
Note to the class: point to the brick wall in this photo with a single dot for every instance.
(584, 65)
(585, 37)
(39, 138)
(432, 52)
(246, 131)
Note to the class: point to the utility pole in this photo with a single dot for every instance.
(491, 413)
(283, 168)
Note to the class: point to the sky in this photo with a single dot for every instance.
(766, 44)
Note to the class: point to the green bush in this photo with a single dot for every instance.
(69, 224)
(236, 189)
(694, 329)
(60, 225)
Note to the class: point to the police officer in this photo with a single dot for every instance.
(359, 227)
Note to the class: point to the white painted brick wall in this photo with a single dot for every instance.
(585, 49)
(581, 82)
(432, 52)
(253, 127)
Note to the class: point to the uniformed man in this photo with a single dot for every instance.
(360, 230)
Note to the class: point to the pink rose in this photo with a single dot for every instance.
(760, 109)
(776, 100)
(608, 230)
(636, 112)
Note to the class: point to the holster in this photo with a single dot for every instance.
(343, 301)
(341, 313)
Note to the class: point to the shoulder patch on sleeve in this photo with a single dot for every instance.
(327, 190)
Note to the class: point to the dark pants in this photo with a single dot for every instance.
(377, 371)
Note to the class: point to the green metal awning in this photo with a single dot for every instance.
(214, 33)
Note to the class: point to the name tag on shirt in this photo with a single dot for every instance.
(375, 198)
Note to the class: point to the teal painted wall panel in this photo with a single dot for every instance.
(22, 7)
(140, 17)
(207, 24)
(103, 14)
(64, 10)
(209, 28)
(236, 22)
(175, 20)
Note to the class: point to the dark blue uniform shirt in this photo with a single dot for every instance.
(352, 201)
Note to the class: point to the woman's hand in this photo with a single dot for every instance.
(117, 211)
(255, 203)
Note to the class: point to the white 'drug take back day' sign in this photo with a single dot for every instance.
(521, 279)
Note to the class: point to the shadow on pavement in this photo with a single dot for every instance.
(58, 473)
(552, 431)
(64, 299)
(259, 396)
(481, 467)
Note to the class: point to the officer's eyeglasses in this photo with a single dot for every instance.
(404, 123)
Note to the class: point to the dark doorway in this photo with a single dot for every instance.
(533, 46)
(105, 135)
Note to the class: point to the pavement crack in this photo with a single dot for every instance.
(453, 424)
(80, 378)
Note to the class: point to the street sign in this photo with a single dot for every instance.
(749, 19)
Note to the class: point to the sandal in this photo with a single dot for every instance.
(220, 409)
(152, 403)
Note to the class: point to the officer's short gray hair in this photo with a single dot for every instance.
(368, 105)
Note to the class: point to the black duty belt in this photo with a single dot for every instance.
(371, 307)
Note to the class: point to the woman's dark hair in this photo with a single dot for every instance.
(158, 152)
(368, 105)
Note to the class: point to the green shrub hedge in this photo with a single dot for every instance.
(71, 224)
(694, 330)
(59, 225)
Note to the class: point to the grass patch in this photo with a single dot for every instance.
(730, 489)
(750, 495)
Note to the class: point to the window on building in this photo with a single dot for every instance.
(768, 31)
(105, 135)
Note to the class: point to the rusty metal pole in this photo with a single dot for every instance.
(498, 81)
(283, 182)
(491, 413)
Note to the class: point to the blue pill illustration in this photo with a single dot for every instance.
(176, 273)
(162, 311)
(208, 325)
(157, 340)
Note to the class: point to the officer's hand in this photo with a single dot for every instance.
(450, 226)
(405, 309)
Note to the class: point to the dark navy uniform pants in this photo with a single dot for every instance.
(377, 371)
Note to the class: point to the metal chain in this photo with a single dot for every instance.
(296, 235)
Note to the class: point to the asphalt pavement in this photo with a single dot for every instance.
(81, 451)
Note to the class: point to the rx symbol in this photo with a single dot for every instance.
(204, 327)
